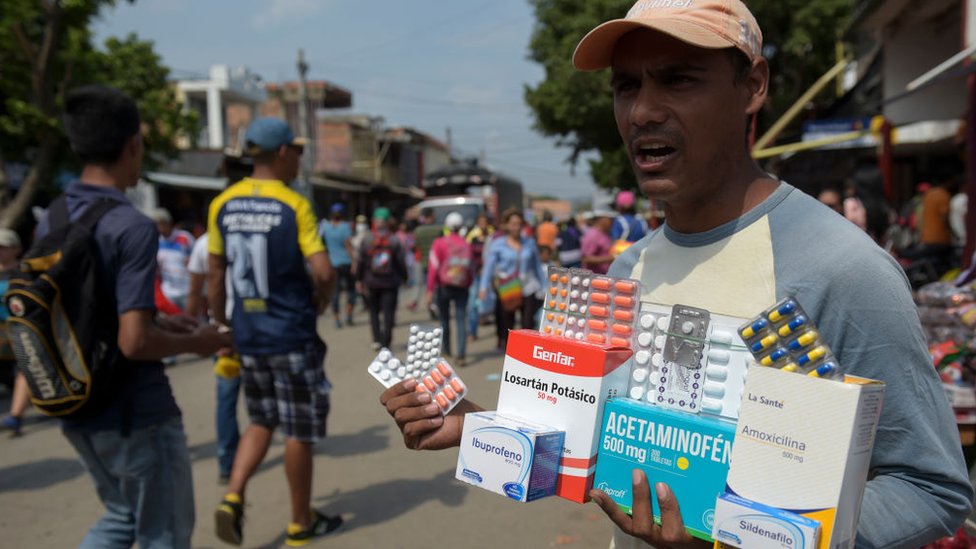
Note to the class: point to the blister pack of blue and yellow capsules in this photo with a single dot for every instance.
(783, 337)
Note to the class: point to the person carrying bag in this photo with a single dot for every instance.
(514, 271)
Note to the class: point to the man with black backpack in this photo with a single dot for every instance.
(128, 429)
(381, 270)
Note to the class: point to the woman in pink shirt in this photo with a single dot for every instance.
(450, 271)
(596, 243)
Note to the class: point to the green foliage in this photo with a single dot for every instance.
(800, 38)
(577, 109)
(32, 87)
(30, 80)
(132, 66)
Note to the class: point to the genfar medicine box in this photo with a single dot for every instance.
(563, 383)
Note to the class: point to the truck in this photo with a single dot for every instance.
(470, 190)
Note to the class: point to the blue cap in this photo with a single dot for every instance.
(338, 208)
(268, 134)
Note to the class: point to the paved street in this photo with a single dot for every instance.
(390, 497)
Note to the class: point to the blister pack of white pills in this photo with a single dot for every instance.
(442, 382)
(689, 359)
(390, 370)
(424, 347)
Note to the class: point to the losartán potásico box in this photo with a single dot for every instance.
(563, 383)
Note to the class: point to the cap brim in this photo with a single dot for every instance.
(595, 50)
(254, 150)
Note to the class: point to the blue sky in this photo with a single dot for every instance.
(421, 63)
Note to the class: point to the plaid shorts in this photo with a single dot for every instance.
(289, 390)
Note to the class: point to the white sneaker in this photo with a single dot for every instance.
(376, 346)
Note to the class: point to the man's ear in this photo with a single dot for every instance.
(133, 145)
(757, 83)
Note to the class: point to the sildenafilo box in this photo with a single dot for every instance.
(746, 524)
(563, 383)
(688, 452)
(515, 458)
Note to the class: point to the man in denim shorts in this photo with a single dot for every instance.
(133, 446)
(264, 235)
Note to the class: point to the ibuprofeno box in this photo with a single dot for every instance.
(688, 452)
(563, 383)
(804, 444)
(509, 456)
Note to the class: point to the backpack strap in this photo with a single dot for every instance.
(59, 217)
(95, 211)
(89, 219)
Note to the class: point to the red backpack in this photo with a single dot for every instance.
(380, 253)
(455, 269)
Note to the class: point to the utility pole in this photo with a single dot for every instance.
(450, 146)
(308, 158)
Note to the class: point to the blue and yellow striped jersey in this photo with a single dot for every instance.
(265, 231)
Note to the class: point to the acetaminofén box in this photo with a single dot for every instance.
(563, 383)
(688, 452)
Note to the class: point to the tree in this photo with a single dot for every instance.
(577, 109)
(45, 50)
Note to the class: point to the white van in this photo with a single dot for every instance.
(470, 207)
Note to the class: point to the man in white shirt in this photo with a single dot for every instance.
(174, 252)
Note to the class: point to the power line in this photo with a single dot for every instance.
(519, 124)
(464, 32)
(411, 33)
(441, 102)
(514, 165)
(522, 147)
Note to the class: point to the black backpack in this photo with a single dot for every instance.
(63, 327)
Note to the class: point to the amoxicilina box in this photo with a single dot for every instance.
(563, 383)
(509, 456)
(688, 452)
(804, 444)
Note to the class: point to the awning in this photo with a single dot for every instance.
(925, 132)
(412, 192)
(946, 70)
(188, 181)
(335, 184)
(940, 68)
(362, 186)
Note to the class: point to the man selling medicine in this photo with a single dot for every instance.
(687, 77)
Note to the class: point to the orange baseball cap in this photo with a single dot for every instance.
(704, 23)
